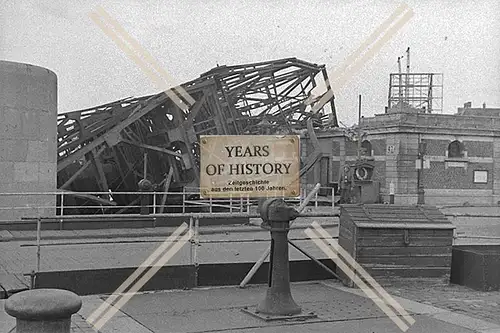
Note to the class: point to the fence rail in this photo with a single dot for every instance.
(106, 202)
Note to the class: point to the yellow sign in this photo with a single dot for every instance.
(249, 166)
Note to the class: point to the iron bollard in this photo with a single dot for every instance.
(276, 216)
(43, 310)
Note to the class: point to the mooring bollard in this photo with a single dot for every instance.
(43, 310)
(277, 215)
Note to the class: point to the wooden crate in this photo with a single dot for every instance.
(396, 242)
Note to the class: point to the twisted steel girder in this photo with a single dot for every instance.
(104, 148)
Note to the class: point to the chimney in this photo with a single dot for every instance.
(467, 105)
(484, 105)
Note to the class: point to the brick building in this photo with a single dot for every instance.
(461, 161)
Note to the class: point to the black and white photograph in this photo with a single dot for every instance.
(253, 166)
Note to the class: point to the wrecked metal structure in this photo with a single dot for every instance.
(113, 147)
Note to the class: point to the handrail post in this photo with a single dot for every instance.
(62, 203)
(210, 204)
(183, 200)
(231, 203)
(191, 241)
(154, 202)
(333, 198)
(38, 237)
(196, 240)
(195, 254)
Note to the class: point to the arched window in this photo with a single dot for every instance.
(366, 147)
(456, 149)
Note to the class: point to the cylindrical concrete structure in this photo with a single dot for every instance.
(28, 139)
(43, 310)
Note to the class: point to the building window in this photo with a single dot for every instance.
(366, 147)
(456, 149)
(480, 176)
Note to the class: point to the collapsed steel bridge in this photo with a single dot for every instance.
(112, 147)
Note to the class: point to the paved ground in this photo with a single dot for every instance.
(459, 299)
(124, 248)
(338, 309)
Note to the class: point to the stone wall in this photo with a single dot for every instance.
(394, 139)
(28, 139)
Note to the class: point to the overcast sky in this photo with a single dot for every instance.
(458, 38)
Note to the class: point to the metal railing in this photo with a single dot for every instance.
(103, 203)
(194, 226)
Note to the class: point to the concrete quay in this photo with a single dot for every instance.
(66, 251)
(338, 309)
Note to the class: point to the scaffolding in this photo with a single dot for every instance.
(421, 91)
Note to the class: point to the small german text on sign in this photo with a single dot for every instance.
(249, 166)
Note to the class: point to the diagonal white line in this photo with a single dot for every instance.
(138, 61)
(146, 264)
(350, 260)
(157, 78)
(346, 75)
(148, 57)
(372, 38)
(142, 281)
(153, 76)
(360, 283)
(377, 46)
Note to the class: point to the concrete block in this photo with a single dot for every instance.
(38, 151)
(36, 84)
(32, 186)
(13, 88)
(25, 211)
(30, 124)
(477, 267)
(25, 172)
(11, 123)
(13, 150)
(47, 175)
(8, 214)
(6, 172)
(52, 150)
(8, 187)
(42, 92)
(405, 199)
(2, 116)
(48, 122)
(7, 200)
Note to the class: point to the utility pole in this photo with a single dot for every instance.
(359, 128)
(400, 72)
(421, 154)
(407, 83)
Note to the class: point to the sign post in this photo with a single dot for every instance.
(262, 166)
